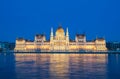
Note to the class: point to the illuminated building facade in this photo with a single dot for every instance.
(60, 42)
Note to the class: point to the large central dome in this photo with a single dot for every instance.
(60, 31)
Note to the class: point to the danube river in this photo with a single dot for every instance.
(59, 66)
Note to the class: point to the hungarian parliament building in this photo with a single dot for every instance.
(60, 42)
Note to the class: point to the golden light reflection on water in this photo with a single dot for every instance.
(61, 66)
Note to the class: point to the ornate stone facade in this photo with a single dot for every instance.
(60, 42)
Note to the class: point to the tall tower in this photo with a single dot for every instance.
(67, 39)
(51, 39)
(67, 35)
(51, 35)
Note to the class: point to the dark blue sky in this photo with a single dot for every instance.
(25, 18)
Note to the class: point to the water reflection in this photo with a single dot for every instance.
(113, 66)
(86, 66)
(32, 66)
(59, 66)
(7, 66)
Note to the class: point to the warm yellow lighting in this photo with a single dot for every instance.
(60, 42)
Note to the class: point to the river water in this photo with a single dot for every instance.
(59, 66)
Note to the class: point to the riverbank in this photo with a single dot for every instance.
(99, 52)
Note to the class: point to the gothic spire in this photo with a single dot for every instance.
(67, 33)
(51, 32)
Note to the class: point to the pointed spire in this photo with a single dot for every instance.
(51, 32)
(67, 33)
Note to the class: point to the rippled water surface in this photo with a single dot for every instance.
(59, 66)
